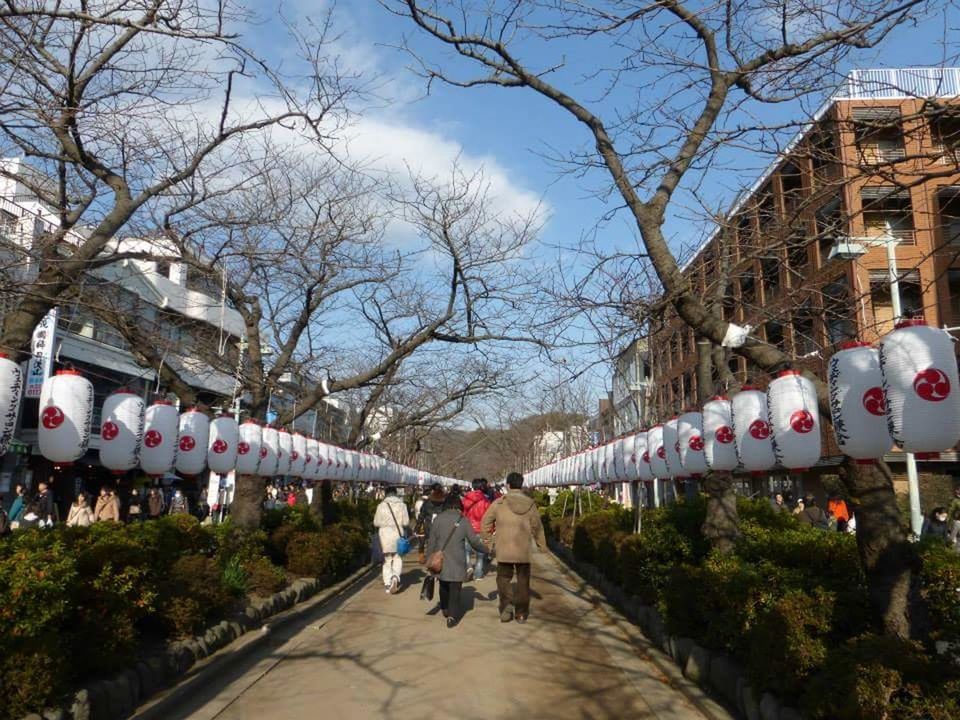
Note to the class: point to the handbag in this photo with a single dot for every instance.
(403, 544)
(435, 561)
(426, 590)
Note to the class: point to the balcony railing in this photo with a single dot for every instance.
(900, 83)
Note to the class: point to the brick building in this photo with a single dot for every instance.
(801, 256)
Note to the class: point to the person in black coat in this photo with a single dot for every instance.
(45, 506)
(449, 532)
(935, 525)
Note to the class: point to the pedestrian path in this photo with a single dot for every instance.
(383, 656)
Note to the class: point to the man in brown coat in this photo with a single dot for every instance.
(513, 520)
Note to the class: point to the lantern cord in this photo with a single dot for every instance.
(159, 369)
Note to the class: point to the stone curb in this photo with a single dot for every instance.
(227, 641)
(701, 667)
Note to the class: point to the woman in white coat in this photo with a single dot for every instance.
(390, 520)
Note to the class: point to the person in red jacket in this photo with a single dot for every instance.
(475, 504)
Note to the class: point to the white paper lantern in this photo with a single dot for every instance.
(690, 431)
(159, 447)
(657, 453)
(719, 446)
(192, 442)
(858, 407)
(121, 431)
(794, 420)
(629, 446)
(269, 446)
(66, 410)
(222, 446)
(11, 391)
(284, 452)
(920, 382)
(751, 426)
(312, 461)
(298, 456)
(644, 471)
(248, 447)
(671, 446)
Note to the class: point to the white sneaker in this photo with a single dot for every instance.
(469, 574)
(394, 586)
(387, 590)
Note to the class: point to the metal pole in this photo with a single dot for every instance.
(913, 480)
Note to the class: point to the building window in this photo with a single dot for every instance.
(804, 332)
(824, 155)
(8, 223)
(838, 312)
(830, 225)
(878, 134)
(911, 299)
(791, 183)
(887, 210)
(770, 271)
(945, 130)
(163, 268)
(797, 254)
(748, 287)
(733, 365)
(773, 330)
(953, 287)
(746, 239)
(949, 201)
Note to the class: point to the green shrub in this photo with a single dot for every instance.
(939, 583)
(870, 677)
(329, 553)
(193, 592)
(235, 576)
(263, 577)
(646, 560)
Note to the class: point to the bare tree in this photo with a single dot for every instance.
(696, 65)
(126, 111)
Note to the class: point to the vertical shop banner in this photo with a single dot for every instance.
(42, 349)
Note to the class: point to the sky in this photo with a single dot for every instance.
(507, 131)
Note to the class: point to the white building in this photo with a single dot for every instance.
(631, 383)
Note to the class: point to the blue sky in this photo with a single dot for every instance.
(506, 130)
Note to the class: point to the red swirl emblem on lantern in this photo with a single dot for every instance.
(760, 429)
(802, 421)
(243, 448)
(646, 456)
(725, 434)
(109, 430)
(152, 438)
(696, 443)
(263, 452)
(662, 452)
(874, 402)
(219, 446)
(932, 385)
(294, 455)
(52, 417)
(187, 443)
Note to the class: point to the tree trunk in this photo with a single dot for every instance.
(887, 557)
(322, 505)
(722, 524)
(245, 510)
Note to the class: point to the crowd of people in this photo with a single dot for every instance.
(40, 510)
(837, 516)
(943, 523)
(459, 535)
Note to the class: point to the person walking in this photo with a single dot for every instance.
(390, 518)
(80, 514)
(513, 520)
(935, 525)
(179, 505)
(837, 507)
(46, 507)
(810, 514)
(475, 506)
(108, 506)
(135, 507)
(450, 531)
(155, 504)
(429, 509)
(19, 507)
(777, 503)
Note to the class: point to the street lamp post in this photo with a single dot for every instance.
(851, 249)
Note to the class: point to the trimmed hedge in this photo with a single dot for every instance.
(789, 604)
(78, 603)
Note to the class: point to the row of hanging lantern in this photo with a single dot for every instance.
(159, 439)
(903, 393)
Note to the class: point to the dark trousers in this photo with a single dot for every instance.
(450, 598)
(520, 601)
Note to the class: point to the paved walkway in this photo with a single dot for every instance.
(380, 656)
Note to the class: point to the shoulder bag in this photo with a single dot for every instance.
(403, 544)
(435, 561)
